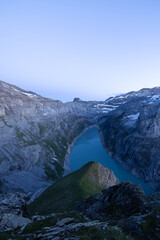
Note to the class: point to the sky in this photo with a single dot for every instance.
(89, 49)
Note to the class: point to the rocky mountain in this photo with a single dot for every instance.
(36, 135)
(132, 133)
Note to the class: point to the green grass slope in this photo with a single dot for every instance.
(62, 195)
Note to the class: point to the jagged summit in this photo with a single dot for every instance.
(77, 99)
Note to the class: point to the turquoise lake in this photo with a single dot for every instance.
(88, 147)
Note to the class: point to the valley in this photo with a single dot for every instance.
(42, 199)
(37, 133)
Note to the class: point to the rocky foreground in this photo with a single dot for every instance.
(106, 216)
(120, 211)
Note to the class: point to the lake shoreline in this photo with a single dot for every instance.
(66, 165)
(82, 156)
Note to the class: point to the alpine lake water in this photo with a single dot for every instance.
(88, 147)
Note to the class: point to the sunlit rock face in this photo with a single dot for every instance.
(35, 134)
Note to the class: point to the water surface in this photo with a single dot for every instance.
(88, 147)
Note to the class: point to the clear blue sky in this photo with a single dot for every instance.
(80, 48)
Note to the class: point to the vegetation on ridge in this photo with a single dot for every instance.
(62, 195)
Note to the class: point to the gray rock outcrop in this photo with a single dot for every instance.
(117, 202)
(13, 211)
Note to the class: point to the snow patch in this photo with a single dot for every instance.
(154, 98)
(101, 105)
(5, 85)
(25, 93)
(7, 107)
(130, 120)
(105, 108)
(29, 94)
(133, 117)
(121, 97)
(15, 89)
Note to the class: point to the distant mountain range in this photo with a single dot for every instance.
(36, 134)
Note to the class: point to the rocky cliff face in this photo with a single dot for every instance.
(132, 134)
(35, 133)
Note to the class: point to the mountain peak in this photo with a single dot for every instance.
(92, 178)
(76, 99)
(14, 91)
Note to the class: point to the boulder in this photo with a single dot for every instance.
(64, 221)
(13, 211)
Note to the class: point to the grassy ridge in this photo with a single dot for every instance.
(62, 195)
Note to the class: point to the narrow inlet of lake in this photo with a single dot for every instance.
(88, 147)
